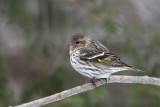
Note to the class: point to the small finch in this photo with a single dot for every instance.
(92, 59)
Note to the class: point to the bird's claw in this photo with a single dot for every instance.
(93, 81)
(106, 79)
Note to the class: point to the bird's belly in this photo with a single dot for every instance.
(83, 68)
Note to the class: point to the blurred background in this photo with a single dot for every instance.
(34, 59)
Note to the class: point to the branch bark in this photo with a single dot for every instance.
(90, 86)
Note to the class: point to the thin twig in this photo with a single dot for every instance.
(90, 86)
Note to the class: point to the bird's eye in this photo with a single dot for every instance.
(77, 42)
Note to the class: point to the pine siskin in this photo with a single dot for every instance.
(92, 59)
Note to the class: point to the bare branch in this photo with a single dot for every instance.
(89, 86)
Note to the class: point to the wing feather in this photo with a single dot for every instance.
(104, 58)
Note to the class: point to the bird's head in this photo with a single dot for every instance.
(79, 41)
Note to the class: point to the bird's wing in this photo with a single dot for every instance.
(103, 58)
(98, 46)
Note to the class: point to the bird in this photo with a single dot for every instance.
(92, 59)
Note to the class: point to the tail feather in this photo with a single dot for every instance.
(135, 69)
(131, 68)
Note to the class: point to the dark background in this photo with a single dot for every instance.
(34, 59)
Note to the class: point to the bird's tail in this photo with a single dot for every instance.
(135, 69)
(131, 68)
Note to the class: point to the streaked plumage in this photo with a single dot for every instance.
(92, 59)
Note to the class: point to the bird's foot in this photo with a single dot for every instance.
(93, 81)
(107, 79)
